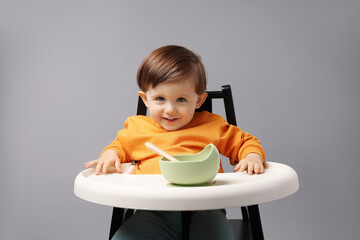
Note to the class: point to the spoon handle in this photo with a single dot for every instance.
(157, 150)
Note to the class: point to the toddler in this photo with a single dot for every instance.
(172, 82)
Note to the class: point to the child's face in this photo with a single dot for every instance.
(172, 105)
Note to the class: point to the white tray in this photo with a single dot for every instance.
(155, 193)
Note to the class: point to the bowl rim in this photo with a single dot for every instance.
(208, 148)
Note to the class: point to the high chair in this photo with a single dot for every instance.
(249, 227)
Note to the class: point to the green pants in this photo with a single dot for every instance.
(147, 225)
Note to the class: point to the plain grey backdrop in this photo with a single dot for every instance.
(68, 71)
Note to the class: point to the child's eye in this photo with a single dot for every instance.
(160, 99)
(181, 99)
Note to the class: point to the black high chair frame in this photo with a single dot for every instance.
(247, 228)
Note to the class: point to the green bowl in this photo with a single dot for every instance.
(192, 169)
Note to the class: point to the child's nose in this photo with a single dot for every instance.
(170, 108)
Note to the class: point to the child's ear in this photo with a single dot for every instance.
(143, 97)
(201, 99)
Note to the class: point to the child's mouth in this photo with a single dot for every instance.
(170, 119)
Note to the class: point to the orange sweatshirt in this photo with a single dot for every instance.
(204, 129)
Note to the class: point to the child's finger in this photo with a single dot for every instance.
(262, 168)
(118, 165)
(257, 168)
(105, 167)
(98, 167)
(91, 163)
(242, 165)
(250, 169)
(237, 167)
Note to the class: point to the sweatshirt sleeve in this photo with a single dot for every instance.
(236, 144)
(119, 144)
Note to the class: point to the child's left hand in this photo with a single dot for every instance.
(252, 162)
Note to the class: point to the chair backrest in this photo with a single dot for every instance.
(224, 94)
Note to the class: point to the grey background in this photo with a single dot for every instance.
(68, 72)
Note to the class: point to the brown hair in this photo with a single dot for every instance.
(171, 63)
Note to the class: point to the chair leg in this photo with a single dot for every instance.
(116, 220)
(244, 213)
(128, 214)
(255, 223)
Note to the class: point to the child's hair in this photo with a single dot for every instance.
(171, 63)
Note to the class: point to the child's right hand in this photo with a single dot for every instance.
(105, 162)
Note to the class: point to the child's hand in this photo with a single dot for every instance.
(106, 162)
(252, 162)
